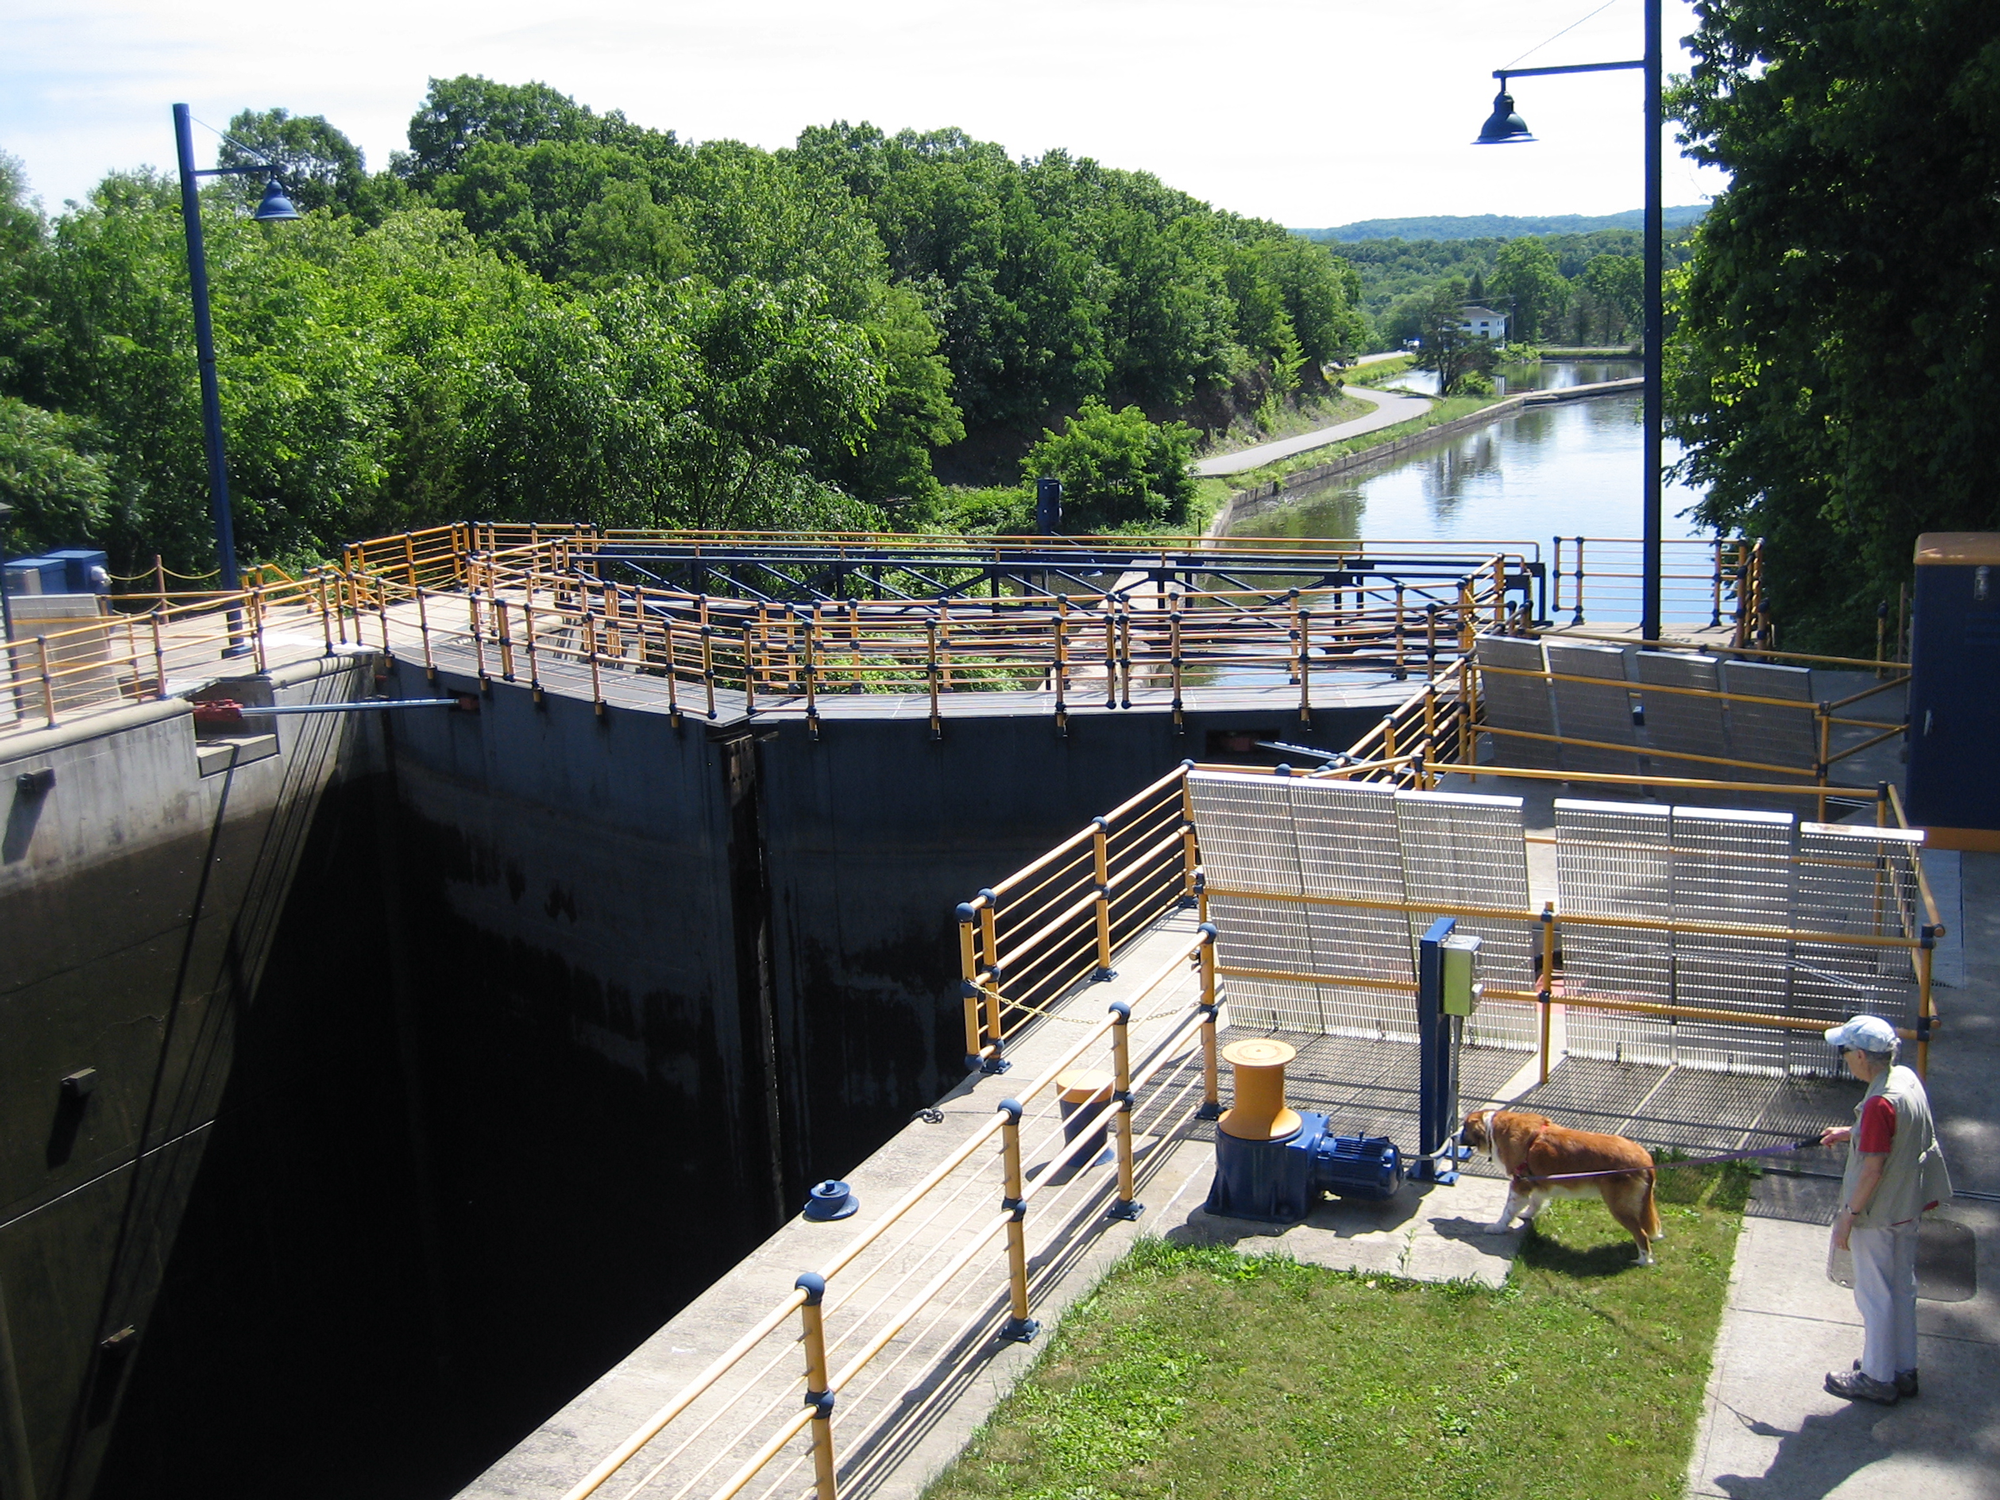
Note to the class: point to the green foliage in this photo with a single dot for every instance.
(1463, 360)
(1394, 275)
(51, 476)
(1119, 471)
(320, 166)
(540, 310)
(1528, 283)
(23, 318)
(1837, 364)
(460, 113)
(1499, 226)
(1201, 1374)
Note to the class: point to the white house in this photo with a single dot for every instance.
(1484, 322)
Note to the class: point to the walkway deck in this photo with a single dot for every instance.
(909, 1413)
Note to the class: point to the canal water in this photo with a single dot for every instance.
(1572, 469)
(1542, 375)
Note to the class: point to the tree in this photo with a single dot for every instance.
(320, 167)
(51, 477)
(1119, 471)
(1526, 279)
(1618, 282)
(1446, 344)
(458, 113)
(1837, 360)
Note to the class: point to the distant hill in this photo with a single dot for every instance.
(1498, 226)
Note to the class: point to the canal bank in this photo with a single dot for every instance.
(1243, 501)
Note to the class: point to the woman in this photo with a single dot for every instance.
(1895, 1171)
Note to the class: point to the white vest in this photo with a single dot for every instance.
(1915, 1173)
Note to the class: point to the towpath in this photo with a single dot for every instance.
(1390, 408)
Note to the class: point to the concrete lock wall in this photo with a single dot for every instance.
(467, 1046)
(139, 889)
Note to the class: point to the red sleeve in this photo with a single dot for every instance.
(1878, 1126)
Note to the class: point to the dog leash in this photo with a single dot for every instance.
(1691, 1161)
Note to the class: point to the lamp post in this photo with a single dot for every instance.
(274, 207)
(1504, 127)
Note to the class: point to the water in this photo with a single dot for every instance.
(1544, 375)
(1568, 470)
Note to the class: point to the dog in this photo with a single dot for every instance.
(1543, 1159)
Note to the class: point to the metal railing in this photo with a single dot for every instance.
(1715, 581)
(928, 1233)
(56, 670)
(522, 606)
(1818, 720)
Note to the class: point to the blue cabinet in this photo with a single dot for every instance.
(1954, 785)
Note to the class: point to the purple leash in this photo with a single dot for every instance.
(1692, 1161)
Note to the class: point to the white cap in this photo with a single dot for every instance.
(1868, 1033)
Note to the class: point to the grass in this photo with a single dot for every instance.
(1379, 371)
(1199, 1374)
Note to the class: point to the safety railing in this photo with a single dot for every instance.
(1714, 582)
(1061, 920)
(56, 669)
(521, 607)
(1810, 723)
(717, 1436)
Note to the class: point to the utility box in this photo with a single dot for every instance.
(1955, 690)
(78, 562)
(37, 575)
(1462, 989)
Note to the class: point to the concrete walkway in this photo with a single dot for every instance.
(1390, 409)
(1769, 1431)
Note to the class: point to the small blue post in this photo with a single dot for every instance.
(1437, 1062)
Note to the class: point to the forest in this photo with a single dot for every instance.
(539, 310)
(1835, 367)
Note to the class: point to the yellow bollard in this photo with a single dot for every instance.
(1259, 1112)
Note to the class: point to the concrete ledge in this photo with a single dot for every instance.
(38, 742)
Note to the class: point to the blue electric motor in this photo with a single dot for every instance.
(1277, 1182)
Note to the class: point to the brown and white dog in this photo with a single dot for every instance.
(1542, 1159)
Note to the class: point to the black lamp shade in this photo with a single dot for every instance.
(276, 206)
(1503, 127)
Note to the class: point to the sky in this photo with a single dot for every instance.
(1310, 114)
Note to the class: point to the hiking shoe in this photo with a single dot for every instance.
(1906, 1382)
(1855, 1386)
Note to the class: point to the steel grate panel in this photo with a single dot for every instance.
(1683, 722)
(1460, 850)
(1769, 733)
(1348, 847)
(1854, 880)
(1732, 866)
(1615, 859)
(1590, 711)
(1512, 702)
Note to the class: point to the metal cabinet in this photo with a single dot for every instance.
(1954, 785)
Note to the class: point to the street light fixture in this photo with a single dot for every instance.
(275, 207)
(1504, 127)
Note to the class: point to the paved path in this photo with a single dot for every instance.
(1390, 408)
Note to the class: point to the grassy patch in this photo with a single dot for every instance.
(1379, 371)
(1205, 1375)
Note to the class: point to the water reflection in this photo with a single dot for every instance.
(1544, 375)
(1568, 470)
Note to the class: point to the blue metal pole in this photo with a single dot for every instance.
(1655, 334)
(204, 342)
(1437, 1061)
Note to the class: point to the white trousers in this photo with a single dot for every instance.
(1885, 1289)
